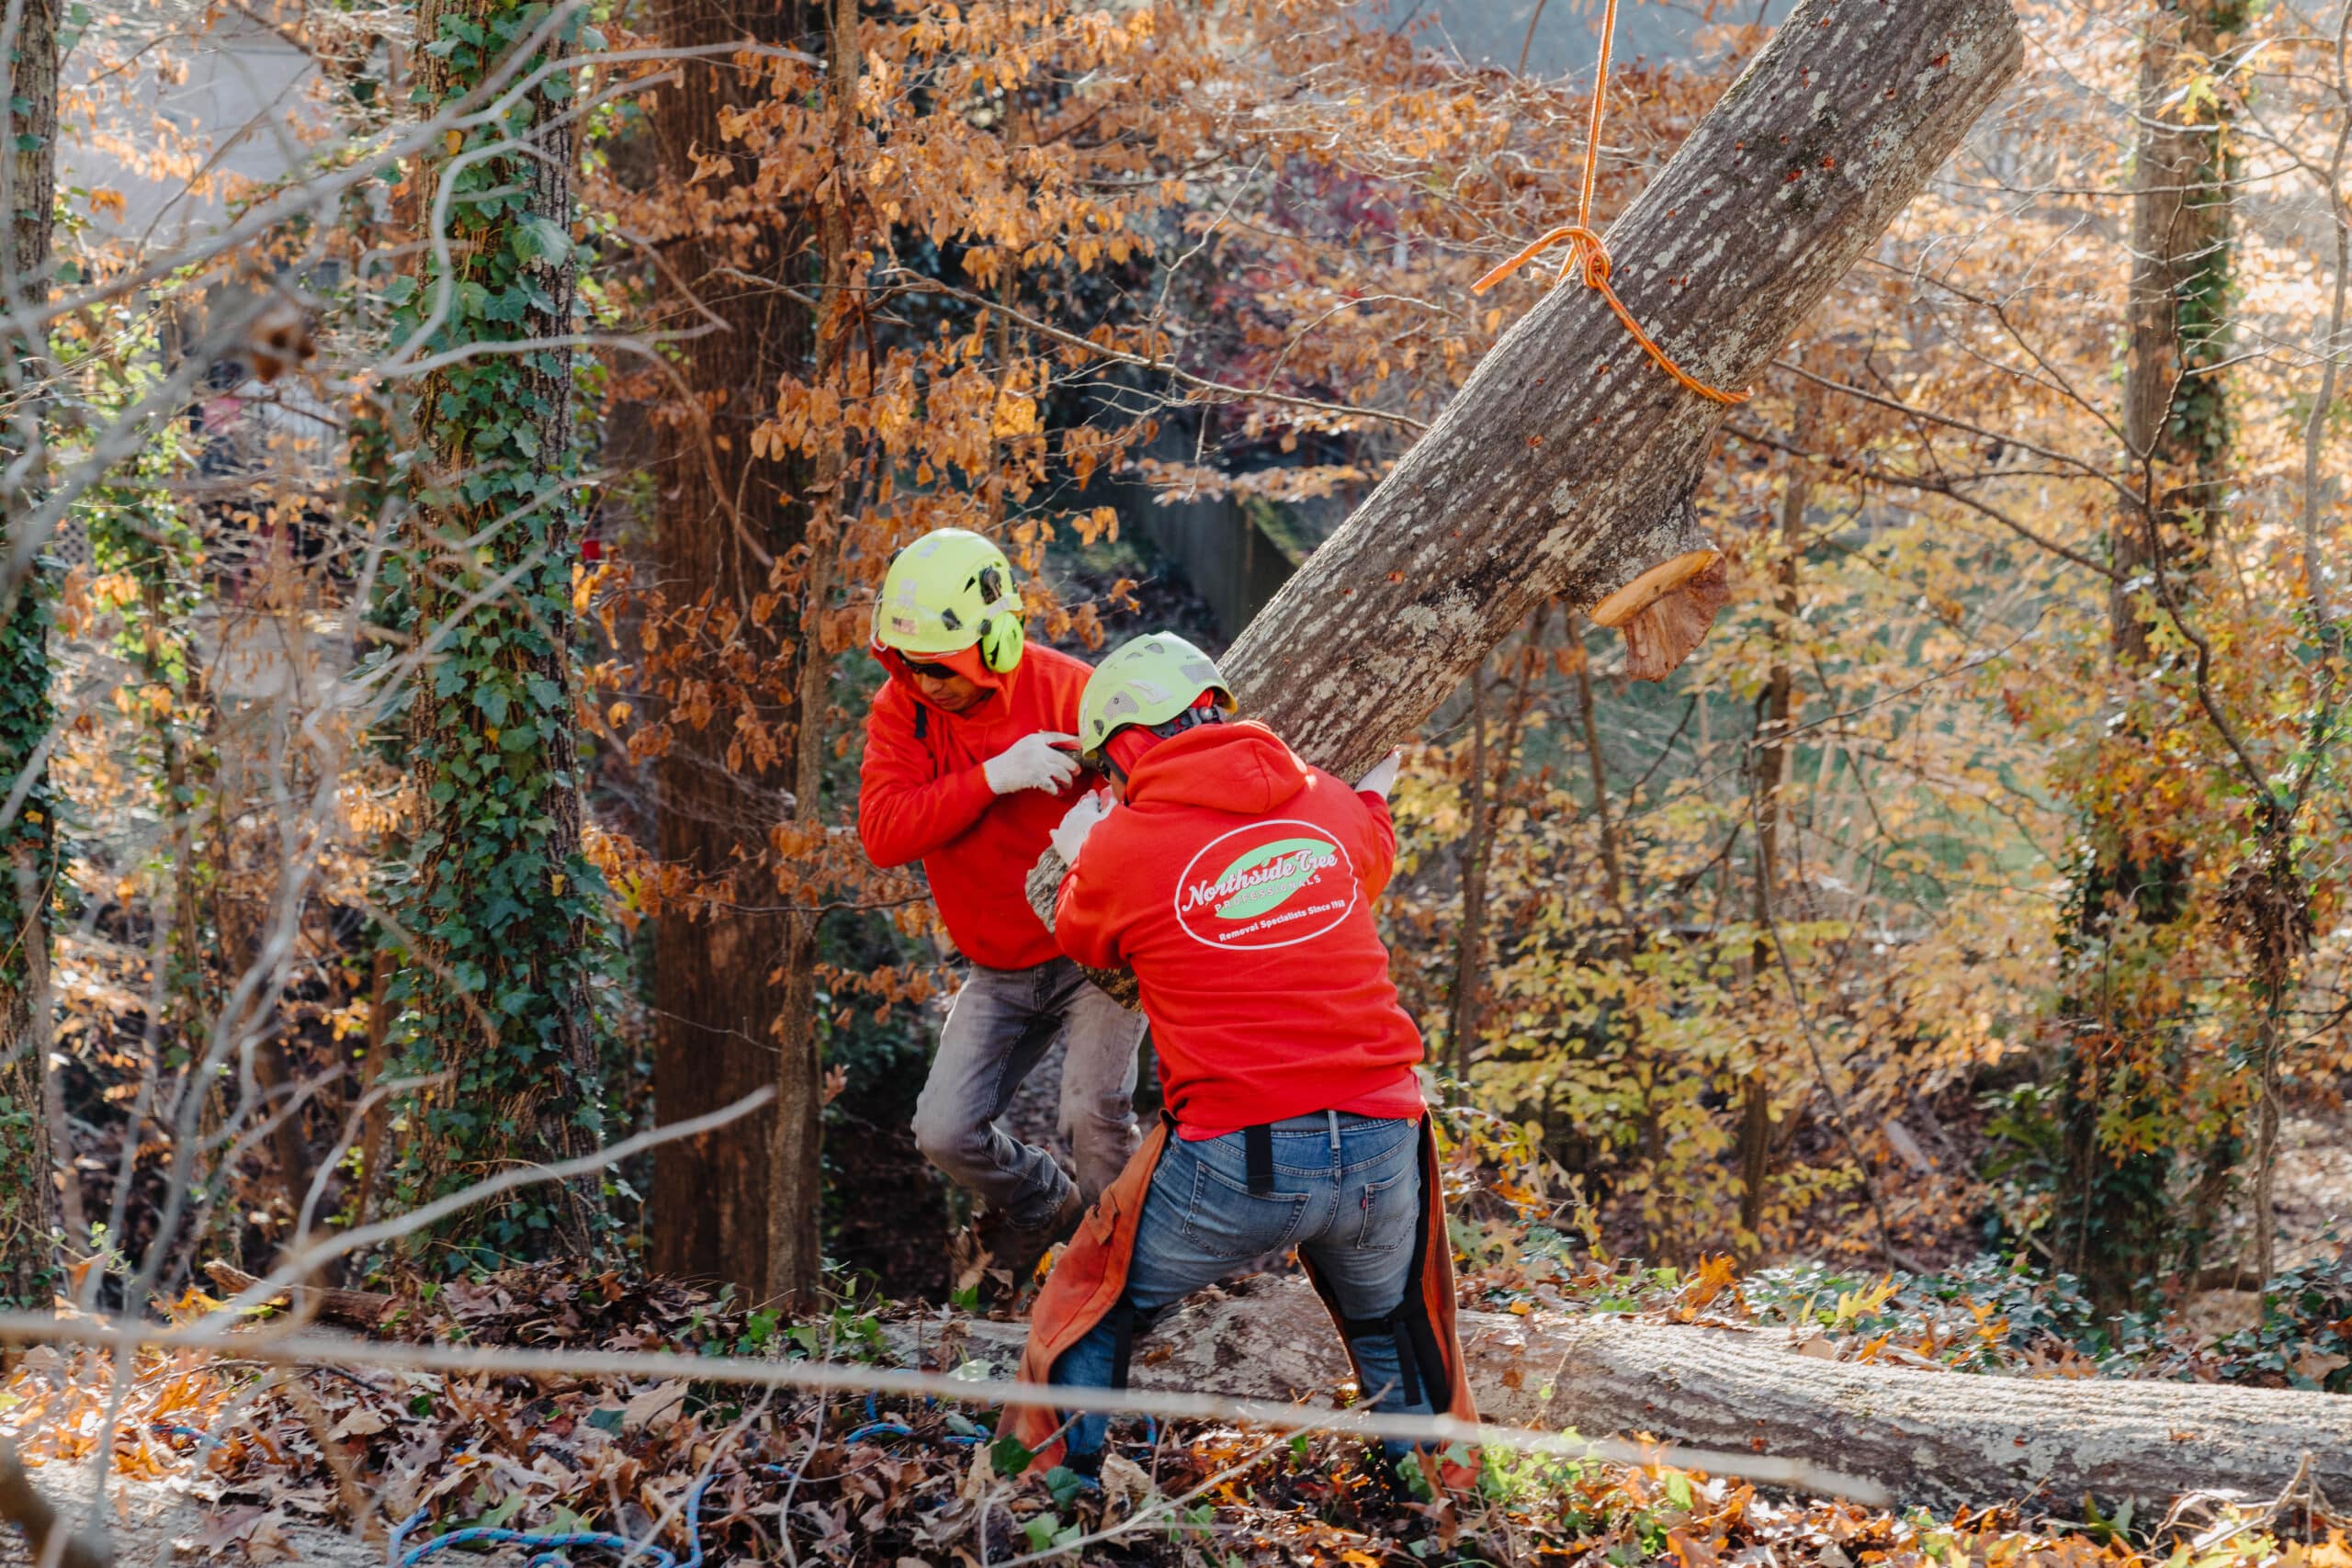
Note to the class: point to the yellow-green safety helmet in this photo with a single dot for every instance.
(947, 591)
(1148, 681)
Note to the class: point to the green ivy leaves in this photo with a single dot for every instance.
(508, 917)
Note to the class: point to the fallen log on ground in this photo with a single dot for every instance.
(363, 1310)
(1934, 1438)
(1566, 463)
(52, 1544)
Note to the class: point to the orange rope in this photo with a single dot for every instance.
(1586, 256)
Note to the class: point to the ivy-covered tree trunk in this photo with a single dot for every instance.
(2176, 412)
(2130, 907)
(503, 914)
(27, 834)
(717, 986)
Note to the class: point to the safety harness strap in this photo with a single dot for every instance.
(1408, 1330)
(1122, 1319)
(1258, 1155)
(1418, 1336)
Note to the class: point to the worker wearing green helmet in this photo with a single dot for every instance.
(969, 764)
(1238, 881)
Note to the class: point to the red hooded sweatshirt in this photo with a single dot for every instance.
(923, 796)
(1239, 883)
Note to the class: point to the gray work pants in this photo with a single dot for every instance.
(1000, 1025)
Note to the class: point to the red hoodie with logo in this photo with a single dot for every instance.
(1238, 882)
(922, 796)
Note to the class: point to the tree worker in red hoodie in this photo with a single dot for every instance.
(968, 769)
(1238, 883)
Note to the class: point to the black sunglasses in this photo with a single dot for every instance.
(930, 672)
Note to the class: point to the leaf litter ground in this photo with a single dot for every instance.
(316, 1464)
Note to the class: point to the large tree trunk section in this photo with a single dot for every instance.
(716, 991)
(1565, 465)
(28, 1174)
(1934, 1438)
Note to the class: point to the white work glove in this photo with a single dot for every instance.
(1383, 778)
(1071, 837)
(1031, 762)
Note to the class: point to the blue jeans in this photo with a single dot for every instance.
(1347, 1194)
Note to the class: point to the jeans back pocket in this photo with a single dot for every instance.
(1391, 1211)
(1230, 1223)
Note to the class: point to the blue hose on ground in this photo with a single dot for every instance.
(878, 1428)
(173, 1429)
(881, 1428)
(630, 1550)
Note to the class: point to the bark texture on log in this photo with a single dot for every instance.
(22, 1505)
(1937, 1439)
(1560, 467)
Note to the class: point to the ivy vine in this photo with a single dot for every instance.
(510, 949)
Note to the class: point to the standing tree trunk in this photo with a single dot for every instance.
(1613, 854)
(1621, 896)
(28, 1170)
(502, 912)
(2112, 1205)
(1470, 942)
(2176, 412)
(716, 988)
(1492, 769)
(1771, 780)
(1565, 465)
(796, 1169)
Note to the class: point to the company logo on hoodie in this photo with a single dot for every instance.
(1273, 884)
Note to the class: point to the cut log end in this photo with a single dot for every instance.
(1664, 614)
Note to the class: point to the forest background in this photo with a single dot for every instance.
(438, 565)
